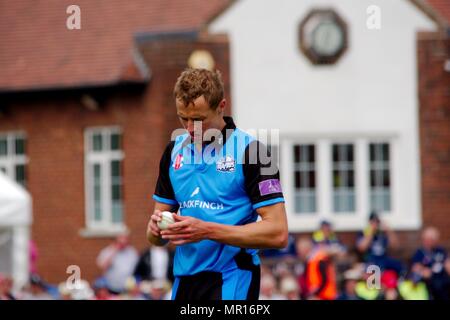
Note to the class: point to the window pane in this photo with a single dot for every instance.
(348, 152)
(305, 179)
(20, 146)
(116, 141)
(117, 212)
(372, 152)
(20, 174)
(297, 180)
(343, 175)
(372, 178)
(311, 154)
(386, 179)
(3, 147)
(385, 148)
(344, 200)
(97, 141)
(115, 169)
(97, 193)
(350, 178)
(335, 153)
(380, 182)
(296, 154)
(311, 179)
(337, 181)
(305, 202)
(116, 191)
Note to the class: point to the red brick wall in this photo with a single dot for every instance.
(54, 125)
(434, 117)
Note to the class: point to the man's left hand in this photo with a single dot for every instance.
(185, 230)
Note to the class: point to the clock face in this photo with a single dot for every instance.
(323, 36)
(327, 38)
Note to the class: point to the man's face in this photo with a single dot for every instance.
(375, 224)
(429, 241)
(326, 229)
(201, 114)
(122, 241)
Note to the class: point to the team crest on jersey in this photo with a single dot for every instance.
(178, 163)
(227, 164)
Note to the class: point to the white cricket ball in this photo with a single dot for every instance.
(167, 218)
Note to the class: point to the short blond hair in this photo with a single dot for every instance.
(194, 83)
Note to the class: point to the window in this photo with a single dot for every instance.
(304, 179)
(104, 185)
(380, 182)
(13, 158)
(343, 178)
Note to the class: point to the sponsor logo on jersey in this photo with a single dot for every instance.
(178, 163)
(227, 164)
(269, 186)
(201, 205)
(195, 192)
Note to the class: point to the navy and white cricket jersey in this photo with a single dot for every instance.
(222, 188)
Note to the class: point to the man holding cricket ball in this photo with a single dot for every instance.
(212, 186)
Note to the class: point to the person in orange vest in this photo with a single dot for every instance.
(320, 274)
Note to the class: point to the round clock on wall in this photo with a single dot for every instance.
(323, 36)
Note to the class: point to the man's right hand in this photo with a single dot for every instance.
(153, 231)
(153, 224)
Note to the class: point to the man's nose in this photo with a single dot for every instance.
(190, 126)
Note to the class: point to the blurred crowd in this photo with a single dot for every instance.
(316, 267)
(321, 267)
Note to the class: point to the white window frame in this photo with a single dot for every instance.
(104, 158)
(12, 160)
(397, 218)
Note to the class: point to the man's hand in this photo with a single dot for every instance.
(185, 230)
(153, 224)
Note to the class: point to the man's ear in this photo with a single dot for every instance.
(221, 106)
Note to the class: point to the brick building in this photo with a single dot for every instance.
(92, 110)
(87, 113)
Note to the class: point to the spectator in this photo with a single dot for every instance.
(268, 288)
(389, 281)
(374, 242)
(413, 288)
(81, 290)
(289, 288)
(287, 253)
(325, 234)
(320, 273)
(101, 290)
(33, 256)
(6, 288)
(154, 263)
(429, 263)
(159, 290)
(133, 290)
(351, 278)
(366, 292)
(36, 290)
(117, 262)
(64, 291)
